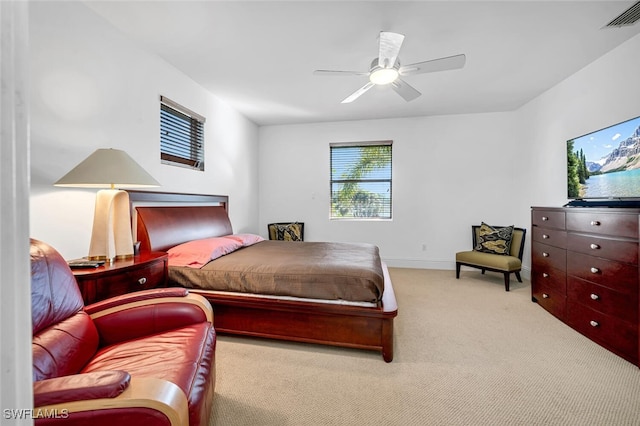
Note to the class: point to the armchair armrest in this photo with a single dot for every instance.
(98, 384)
(137, 296)
(147, 312)
(153, 297)
(143, 395)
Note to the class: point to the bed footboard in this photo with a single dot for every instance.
(308, 322)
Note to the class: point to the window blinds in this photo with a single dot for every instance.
(181, 135)
(361, 184)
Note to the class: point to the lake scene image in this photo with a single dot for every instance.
(605, 163)
(622, 184)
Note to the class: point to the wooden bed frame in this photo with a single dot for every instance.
(206, 216)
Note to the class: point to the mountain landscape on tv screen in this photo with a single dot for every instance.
(605, 163)
(625, 157)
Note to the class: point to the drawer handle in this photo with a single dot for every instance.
(594, 323)
(545, 296)
(545, 236)
(545, 275)
(142, 281)
(594, 246)
(595, 270)
(545, 254)
(545, 218)
(595, 223)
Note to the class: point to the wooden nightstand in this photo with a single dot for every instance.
(148, 270)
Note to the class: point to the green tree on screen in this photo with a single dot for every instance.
(573, 179)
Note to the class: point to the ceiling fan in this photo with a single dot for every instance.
(386, 68)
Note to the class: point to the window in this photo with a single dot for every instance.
(361, 180)
(181, 136)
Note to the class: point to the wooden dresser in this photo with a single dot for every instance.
(584, 265)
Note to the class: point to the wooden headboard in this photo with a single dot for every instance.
(163, 220)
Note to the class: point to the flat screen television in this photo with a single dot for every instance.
(603, 167)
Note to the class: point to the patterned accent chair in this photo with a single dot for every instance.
(494, 250)
(286, 231)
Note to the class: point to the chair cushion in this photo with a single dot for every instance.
(55, 295)
(64, 348)
(489, 260)
(494, 240)
(184, 356)
(63, 337)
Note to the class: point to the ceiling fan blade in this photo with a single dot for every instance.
(434, 65)
(405, 90)
(390, 44)
(342, 73)
(355, 95)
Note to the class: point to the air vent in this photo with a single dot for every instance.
(628, 17)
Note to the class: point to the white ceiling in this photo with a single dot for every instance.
(260, 56)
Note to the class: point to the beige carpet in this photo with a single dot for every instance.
(466, 353)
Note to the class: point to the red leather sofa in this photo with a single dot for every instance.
(146, 358)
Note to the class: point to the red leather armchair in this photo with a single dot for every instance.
(145, 358)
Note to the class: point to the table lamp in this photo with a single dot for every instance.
(107, 168)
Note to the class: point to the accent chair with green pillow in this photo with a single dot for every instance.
(495, 248)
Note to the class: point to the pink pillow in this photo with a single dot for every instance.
(245, 239)
(197, 253)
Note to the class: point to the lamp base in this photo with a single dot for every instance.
(111, 237)
(111, 260)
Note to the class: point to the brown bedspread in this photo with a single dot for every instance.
(318, 270)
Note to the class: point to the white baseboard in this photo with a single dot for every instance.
(439, 264)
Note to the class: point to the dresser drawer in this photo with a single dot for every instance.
(549, 289)
(609, 248)
(146, 277)
(613, 333)
(622, 225)
(618, 276)
(549, 280)
(553, 303)
(548, 218)
(602, 299)
(550, 236)
(103, 284)
(544, 256)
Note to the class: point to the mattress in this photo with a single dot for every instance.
(316, 270)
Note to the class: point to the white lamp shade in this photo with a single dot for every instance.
(108, 168)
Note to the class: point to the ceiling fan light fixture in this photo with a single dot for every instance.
(382, 76)
(386, 68)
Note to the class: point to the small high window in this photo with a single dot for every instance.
(181, 136)
(361, 180)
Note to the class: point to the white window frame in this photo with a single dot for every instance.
(336, 181)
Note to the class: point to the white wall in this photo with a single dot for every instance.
(16, 391)
(92, 88)
(450, 171)
(603, 93)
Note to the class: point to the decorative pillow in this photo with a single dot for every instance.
(197, 253)
(245, 239)
(288, 232)
(494, 240)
